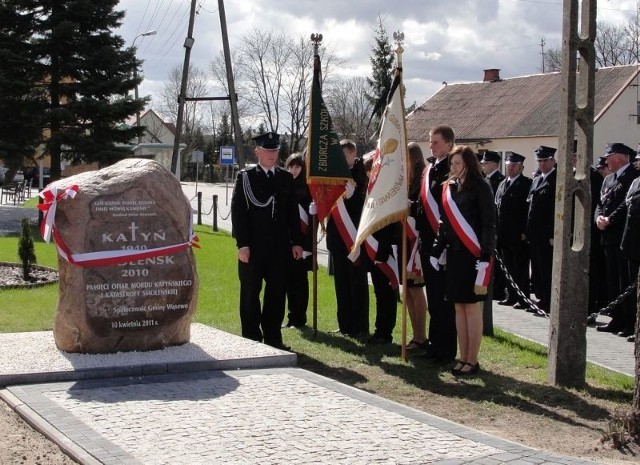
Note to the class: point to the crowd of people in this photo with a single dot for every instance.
(464, 214)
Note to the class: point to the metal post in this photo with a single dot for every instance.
(135, 78)
(199, 208)
(215, 213)
(188, 44)
(569, 296)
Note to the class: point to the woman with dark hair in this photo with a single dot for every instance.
(297, 285)
(416, 299)
(468, 236)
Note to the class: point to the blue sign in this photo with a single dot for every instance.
(227, 155)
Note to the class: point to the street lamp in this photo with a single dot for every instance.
(135, 77)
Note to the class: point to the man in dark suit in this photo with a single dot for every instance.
(610, 216)
(442, 326)
(490, 164)
(511, 201)
(266, 226)
(540, 219)
(350, 278)
(630, 245)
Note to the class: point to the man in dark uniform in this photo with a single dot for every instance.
(540, 220)
(350, 278)
(511, 201)
(610, 217)
(442, 326)
(630, 245)
(490, 164)
(266, 226)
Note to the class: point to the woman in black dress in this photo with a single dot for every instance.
(468, 235)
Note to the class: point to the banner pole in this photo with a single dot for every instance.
(314, 268)
(404, 290)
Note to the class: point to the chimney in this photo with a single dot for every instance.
(491, 75)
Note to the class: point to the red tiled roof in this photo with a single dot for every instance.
(524, 106)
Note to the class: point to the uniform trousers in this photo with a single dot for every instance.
(263, 323)
(542, 258)
(516, 260)
(297, 286)
(618, 278)
(352, 295)
(442, 317)
(386, 303)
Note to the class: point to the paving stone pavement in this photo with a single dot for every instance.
(269, 416)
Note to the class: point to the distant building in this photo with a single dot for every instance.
(521, 113)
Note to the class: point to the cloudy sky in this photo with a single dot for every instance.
(445, 40)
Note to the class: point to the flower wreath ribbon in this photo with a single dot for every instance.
(51, 196)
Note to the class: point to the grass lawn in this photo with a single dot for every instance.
(511, 398)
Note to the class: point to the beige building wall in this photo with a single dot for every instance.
(618, 123)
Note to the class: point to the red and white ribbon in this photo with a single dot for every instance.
(51, 197)
(429, 203)
(48, 228)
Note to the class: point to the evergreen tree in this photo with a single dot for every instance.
(26, 249)
(382, 62)
(21, 103)
(87, 74)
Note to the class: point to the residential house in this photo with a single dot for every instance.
(520, 114)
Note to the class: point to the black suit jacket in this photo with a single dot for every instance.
(271, 229)
(496, 178)
(438, 175)
(630, 245)
(612, 204)
(512, 210)
(542, 205)
(477, 206)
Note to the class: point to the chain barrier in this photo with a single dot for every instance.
(514, 287)
(591, 319)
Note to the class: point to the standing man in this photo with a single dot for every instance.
(542, 204)
(490, 164)
(610, 216)
(266, 226)
(442, 325)
(350, 278)
(511, 200)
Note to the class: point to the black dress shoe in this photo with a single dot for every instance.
(519, 306)
(281, 347)
(379, 340)
(469, 372)
(508, 302)
(608, 328)
(631, 338)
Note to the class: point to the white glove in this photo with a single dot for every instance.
(434, 263)
(313, 208)
(481, 266)
(350, 188)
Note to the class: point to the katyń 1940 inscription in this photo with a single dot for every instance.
(127, 271)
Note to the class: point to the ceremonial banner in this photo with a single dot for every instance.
(386, 200)
(327, 169)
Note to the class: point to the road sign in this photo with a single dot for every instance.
(227, 155)
(197, 156)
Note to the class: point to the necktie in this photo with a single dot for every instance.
(507, 184)
(270, 174)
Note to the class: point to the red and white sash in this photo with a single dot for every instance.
(414, 264)
(51, 197)
(389, 268)
(345, 226)
(304, 220)
(429, 203)
(467, 236)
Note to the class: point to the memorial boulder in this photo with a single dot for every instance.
(128, 278)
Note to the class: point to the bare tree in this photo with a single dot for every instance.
(613, 45)
(197, 86)
(351, 109)
(553, 60)
(220, 83)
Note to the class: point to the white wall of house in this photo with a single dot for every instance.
(156, 130)
(619, 123)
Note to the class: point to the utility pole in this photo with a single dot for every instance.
(542, 53)
(571, 239)
(232, 90)
(188, 44)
